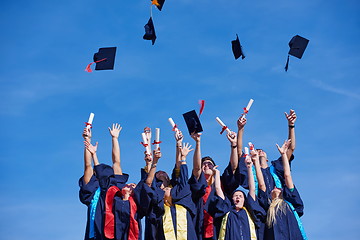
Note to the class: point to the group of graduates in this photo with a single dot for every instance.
(201, 206)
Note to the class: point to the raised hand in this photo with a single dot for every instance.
(284, 147)
(291, 117)
(115, 130)
(241, 122)
(232, 137)
(196, 137)
(91, 148)
(186, 148)
(86, 133)
(179, 136)
(248, 162)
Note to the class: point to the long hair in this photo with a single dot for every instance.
(278, 206)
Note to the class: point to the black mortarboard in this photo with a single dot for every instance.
(104, 59)
(192, 122)
(158, 3)
(297, 48)
(150, 31)
(237, 48)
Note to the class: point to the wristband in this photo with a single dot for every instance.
(183, 160)
(291, 126)
(234, 146)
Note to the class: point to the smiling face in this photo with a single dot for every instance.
(162, 176)
(238, 199)
(207, 167)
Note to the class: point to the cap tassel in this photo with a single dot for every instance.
(287, 64)
(202, 105)
(88, 67)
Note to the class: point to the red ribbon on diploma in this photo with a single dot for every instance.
(145, 145)
(155, 142)
(175, 127)
(88, 124)
(223, 129)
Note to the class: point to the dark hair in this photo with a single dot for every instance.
(207, 158)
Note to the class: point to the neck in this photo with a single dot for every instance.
(126, 196)
(209, 179)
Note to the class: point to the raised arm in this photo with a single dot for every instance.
(178, 138)
(218, 189)
(197, 156)
(241, 125)
(250, 174)
(287, 173)
(259, 175)
(88, 170)
(233, 150)
(92, 150)
(291, 117)
(152, 171)
(115, 132)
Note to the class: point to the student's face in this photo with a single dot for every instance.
(275, 193)
(238, 199)
(162, 176)
(263, 157)
(128, 188)
(207, 167)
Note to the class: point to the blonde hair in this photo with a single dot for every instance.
(277, 206)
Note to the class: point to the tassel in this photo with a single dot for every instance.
(202, 105)
(287, 64)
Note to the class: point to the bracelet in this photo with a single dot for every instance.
(153, 165)
(183, 160)
(234, 146)
(291, 126)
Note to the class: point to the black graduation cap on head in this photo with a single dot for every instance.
(150, 31)
(237, 48)
(297, 48)
(104, 59)
(192, 122)
(158, 3)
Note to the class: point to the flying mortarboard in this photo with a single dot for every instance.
(150, 31)
(104, 59)
(237, 48)
(297, 48)
(192, 122)
(158, 3)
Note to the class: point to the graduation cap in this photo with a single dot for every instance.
(237, 49)
(192, 122)
(150, 31)
(104, 59)
(158, 3)
(297, 48)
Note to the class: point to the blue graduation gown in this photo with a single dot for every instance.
(86, 194)
(286, 226)
(237, 225)
(106, 178)
(181, 195)
(229, 181)
(198, 187)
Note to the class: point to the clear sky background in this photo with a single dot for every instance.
(46, 96)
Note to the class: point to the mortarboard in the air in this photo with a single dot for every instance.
(104, 59)
(192, 122)
(237, 48)
(297, 48)
(150, 31)
(158, 3)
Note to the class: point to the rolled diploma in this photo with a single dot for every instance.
(171, 121)
(222, 124)
(249, 104)
(251, 146)
(146, 143)
(157, 137)
(91, 118)
(246, 151)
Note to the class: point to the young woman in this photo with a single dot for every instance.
(286, 207)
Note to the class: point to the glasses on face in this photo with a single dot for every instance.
(209, 164)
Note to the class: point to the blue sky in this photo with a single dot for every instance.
(46, 96)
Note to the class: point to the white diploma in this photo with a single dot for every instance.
(249, 104)
(157, 137)
(146, 144)
(222, 124)
(246, 151)
(91, 118)
(251, 146)
(171, 121)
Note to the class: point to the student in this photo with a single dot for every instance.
(172, 210)
(240, 217)
(286, 207)
(202, 188)
(107, 177)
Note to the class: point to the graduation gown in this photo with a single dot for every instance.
(286, 226)
(237, 224)
(86, 195)
(181, 195)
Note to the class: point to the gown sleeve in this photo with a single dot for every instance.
(88, 190)
(257, 213)
(228, 180)
(294, 198)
